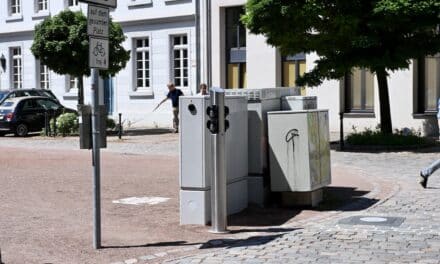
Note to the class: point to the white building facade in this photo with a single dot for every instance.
(161, 38)
(243, 60)
(166, 45)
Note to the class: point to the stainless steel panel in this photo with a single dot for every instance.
(299, 150)
(324, 148)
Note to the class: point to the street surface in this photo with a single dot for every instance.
(47, 210)
(416, 240)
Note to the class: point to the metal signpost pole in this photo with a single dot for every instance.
(218, 183)
(96, 160)
(98, 30)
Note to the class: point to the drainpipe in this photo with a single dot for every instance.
(208, 44)
(197, 25)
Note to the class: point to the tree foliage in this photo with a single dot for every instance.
(61, 42)
(379, 35)
(373, 34)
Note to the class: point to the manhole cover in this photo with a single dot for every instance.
(373, 220)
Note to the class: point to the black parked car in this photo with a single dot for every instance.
(6, 94)
(22, 115)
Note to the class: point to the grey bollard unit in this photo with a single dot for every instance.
(195, 164)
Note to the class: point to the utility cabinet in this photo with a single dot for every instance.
(299, 150)
(259, 102)
(296, 103)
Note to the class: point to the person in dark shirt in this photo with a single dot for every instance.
(174, 95)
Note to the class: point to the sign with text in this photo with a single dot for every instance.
(97, 21)
(107, 3)
(98, 53)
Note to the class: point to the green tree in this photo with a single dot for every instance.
(61, 42)
(380, 35)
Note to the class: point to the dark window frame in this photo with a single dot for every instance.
(348, 94)
(421, 90)
(240, 48)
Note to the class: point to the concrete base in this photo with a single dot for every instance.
(258, 194)
(312, 198)
(195, 205)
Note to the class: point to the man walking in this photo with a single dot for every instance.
(173, 94)
(426, 172)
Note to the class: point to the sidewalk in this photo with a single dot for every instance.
(340, 239)
(363, 184)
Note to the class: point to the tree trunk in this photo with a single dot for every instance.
(384, 102)
(80, 90)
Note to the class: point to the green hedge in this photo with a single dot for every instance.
(403, 137)
(68, 124)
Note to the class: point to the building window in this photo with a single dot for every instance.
(235, 48)
(17, 67)
(292, 68)
(428, 83)
(14, 7)
(142, 63)
(44, 76)
(180, 61)
(71, 3)
(73, 84)
(42, 5)
(359, 91)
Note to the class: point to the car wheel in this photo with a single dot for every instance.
(21, 130)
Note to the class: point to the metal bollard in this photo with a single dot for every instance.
(219, 184)
(46, 124)
(54, 124)
(341, 131)
(120, 126)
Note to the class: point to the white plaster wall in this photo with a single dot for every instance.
(261, 59)
(158, 21)
(217, 44)
(29, 17)
(129, 11)
(137, 111)
(401, 103)
(260, 62)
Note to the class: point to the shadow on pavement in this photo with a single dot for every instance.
(345, 199)
(335, 198)
(159, 244)
(263, 230)
(222, 243)
(141, 132)
(233, 243)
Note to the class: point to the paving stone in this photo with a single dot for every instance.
(323, 240)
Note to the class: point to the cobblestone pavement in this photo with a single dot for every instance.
(416, 240)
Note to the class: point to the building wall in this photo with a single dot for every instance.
(139, 106)
(156, 19)
(264, 70)
(262, 61)
(401, 93)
